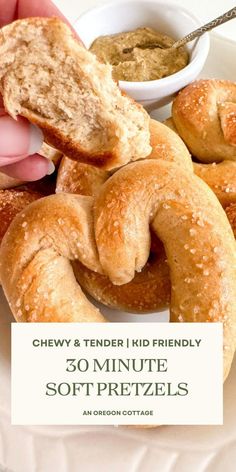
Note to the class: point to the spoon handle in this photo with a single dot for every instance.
(229, 15)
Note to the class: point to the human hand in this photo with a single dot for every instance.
(20, 141)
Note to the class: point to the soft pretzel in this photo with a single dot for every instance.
(204, 114)
(8, 182)
(12, 201)
(36, 251)
(47, 76)
(221, 178)
(150, 289)
(45, 186)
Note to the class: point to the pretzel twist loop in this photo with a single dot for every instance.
(36, 251)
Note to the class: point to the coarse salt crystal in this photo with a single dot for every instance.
(200, 266)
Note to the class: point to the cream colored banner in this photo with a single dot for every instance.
(116, 373)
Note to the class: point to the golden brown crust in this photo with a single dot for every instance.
(204, 114)
(13, 201)
(44, 186)
(47, 151)
(227, 113)
(221, 177)
(79, 178)
(84, 179)
(104, 160)
(149, 290)
(202, 268)
(168, 146)
(36, 273)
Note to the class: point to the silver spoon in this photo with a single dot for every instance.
(229, 15)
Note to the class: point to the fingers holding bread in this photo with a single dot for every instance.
(47, 76)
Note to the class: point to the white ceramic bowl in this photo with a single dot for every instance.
(165, 17)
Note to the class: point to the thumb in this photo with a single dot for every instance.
(18, 139)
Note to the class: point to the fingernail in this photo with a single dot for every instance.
(18, 138)
(36, 139)
(51, 168)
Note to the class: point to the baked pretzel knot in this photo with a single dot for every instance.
(41, 242)
(204, 114)
(149, 290)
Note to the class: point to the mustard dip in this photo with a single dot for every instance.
(140, 64)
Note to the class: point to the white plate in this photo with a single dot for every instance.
(107, 449)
